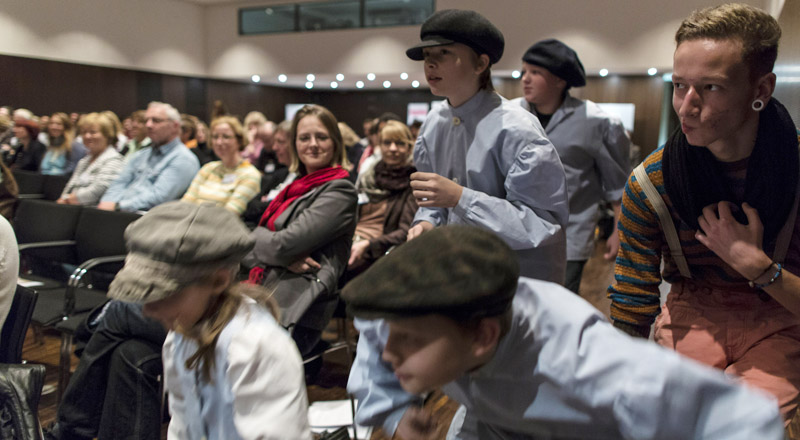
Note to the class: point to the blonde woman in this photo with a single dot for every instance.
(95, 172)
(62, 154)
(232, 181)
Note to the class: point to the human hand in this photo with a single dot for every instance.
(418, 229)
(737, 244)
(434, 191)
(304, 265)
(612, 246)
(107, 206)
(357, 252)
(416, 424)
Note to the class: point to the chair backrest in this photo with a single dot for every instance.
(102, 233)
(29, 182)
(12, 336)
(53, 186)
(40, 220)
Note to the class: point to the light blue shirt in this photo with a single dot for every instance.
(513, 181)
(62, 163)
(153, 176)
(562, 371)
(595, 151)
(257, 388)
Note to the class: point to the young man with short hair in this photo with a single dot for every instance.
(523, 357)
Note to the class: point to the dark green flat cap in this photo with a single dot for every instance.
(459, 271)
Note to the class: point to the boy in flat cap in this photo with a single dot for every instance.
(524, 358)
(482, 160)
(592, 145)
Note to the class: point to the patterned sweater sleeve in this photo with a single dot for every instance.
(635, 297)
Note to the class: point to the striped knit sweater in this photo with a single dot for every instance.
(230, 189)
(635, 296)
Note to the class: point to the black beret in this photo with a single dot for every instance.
(450, 26)
(559, 59)
(459, 271)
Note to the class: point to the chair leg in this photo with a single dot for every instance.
(64, 364)
(38, 335)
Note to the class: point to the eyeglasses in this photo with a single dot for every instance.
(221, 136)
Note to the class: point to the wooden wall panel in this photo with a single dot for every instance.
(646, 92)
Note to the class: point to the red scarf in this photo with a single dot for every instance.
(297, 189)
(289, 195)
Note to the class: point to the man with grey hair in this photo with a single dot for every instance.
(157, 174)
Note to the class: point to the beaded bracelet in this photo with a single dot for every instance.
(777, 275)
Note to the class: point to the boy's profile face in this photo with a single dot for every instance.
(428, 351)
(452, 71)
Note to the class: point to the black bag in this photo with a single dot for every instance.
(20, 390)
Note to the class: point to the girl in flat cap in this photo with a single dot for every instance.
(231, 371)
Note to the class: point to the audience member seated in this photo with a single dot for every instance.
(231, 371)
(386, 203)
(303, 239)
(352, 145)
(95, 172)
(230, 182)
(9, 191)
(189, 138)
(63, 153)
(279, 177)
(114, 392)
(252, 124)
(138, 139)
(157, 174)
(266, 160)
(28, 151)
(121, 140)
(9, 268)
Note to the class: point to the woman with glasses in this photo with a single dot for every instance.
(231, 181)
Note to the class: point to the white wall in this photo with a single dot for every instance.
(155, 35)
(172, 36)
(626, 36)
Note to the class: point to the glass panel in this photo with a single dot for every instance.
(329, 15)
(396, 12)
(267, 19)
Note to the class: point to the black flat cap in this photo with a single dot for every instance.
(450, 26)
(459, 271)
(559, 59)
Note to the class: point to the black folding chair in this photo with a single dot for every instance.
(16, 326)
(30, 184)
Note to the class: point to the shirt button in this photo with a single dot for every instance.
(456, 120)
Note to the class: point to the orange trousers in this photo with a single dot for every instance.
(746, 334)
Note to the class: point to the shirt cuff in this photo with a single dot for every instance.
(468, 195)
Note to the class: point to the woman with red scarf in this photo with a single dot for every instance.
(303, 239)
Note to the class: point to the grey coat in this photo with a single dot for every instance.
(319, 224)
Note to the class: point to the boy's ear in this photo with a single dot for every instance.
(487, 336)
(221, 280)
(482, 64)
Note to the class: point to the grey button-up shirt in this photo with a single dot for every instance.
(594, 150)
(513, 181)
(563, 372)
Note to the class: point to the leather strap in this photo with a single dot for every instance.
(665, 219)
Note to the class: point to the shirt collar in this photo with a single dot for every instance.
(166, 148)
(471, 106)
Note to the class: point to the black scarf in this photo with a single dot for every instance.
(393, 179)
(693, 178)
